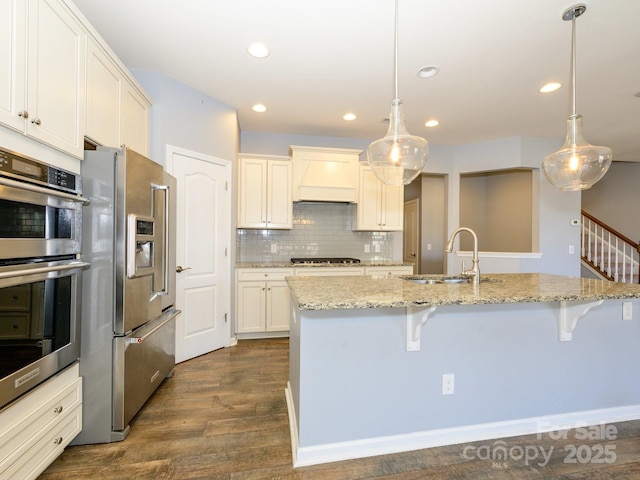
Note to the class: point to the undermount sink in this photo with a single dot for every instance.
(444, 279)
(436, 280)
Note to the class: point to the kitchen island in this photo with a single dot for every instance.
(517, 354)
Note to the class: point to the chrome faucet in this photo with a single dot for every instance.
(475, 270)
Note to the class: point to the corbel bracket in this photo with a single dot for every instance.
(416, 319)
(570, 313)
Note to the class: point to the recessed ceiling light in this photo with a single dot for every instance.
(259, 108)
(550, 87)
(258, 50)
(432, 123)
(349, 117)
(428, 71)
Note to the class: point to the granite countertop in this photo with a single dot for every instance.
(375, 263)
(329, 293)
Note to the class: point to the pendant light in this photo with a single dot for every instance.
(398, 157)
(578, 165)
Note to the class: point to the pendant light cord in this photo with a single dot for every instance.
(395, 52)
(573, 66)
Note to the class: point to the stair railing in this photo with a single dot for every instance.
(608, 251)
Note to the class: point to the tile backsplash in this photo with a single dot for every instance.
(319, 230)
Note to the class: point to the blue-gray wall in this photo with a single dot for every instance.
(184, 117)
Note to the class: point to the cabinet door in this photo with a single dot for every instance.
(134, 125)
(279, 203)
(13, 54)
(251, 307)
(55, 76)
(392, 207)
(369, 203)
(278, 307)
(102, 97)
(252, 193)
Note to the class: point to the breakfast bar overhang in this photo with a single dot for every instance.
(529, 353)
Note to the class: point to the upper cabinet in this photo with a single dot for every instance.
(380, 206)
(134, 122)
(59, 81)
(117, 111)
(264, 192)
(104, 91)
(42, 64)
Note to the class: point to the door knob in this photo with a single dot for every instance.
(180, 269)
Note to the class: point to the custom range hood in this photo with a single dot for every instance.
(324, 174)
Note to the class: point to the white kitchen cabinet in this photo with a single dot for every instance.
(103, 94)
(134, 122)
(262, 300)
(264, 192)
(13, 28)
(37, 427)
(117, 110)
(380, 206)
(388, 271)
(43, 77)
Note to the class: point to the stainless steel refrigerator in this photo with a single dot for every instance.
(128, 293)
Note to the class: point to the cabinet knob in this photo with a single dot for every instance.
(58, 409)
(36, 121)
(24, 114)
(58, 441)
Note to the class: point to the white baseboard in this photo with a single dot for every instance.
(333, 452)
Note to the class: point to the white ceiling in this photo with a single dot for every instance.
(329, 57)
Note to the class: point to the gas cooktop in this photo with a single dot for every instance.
(332, 260)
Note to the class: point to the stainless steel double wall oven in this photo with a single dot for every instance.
(40, 266)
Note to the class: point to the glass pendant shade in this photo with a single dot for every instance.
(578, 165)
(398, 157)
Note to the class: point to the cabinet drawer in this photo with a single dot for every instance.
(257, 274)
(21, 434)
(50, 445)
(328, 271)
(17, 298)
(14, 325)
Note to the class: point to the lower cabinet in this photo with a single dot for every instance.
(263, 300)
(262, 294)
(36, 428)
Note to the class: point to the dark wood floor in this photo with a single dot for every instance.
(223, 417)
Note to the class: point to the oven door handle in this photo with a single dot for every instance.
(170, 315)
(34, 271)
(46, 191)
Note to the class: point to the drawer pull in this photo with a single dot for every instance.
(58, 409)
(58, 441)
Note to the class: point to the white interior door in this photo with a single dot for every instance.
(202, 251)
(411, 238)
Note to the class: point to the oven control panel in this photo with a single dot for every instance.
(30, 170)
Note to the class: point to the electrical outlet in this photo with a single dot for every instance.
(428, 246)
(571, 249)
(448, 383)
(627, 311)
(274, 248)
(367, 248)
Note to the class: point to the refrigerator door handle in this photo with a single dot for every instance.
(164, 290)
(170, 315)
